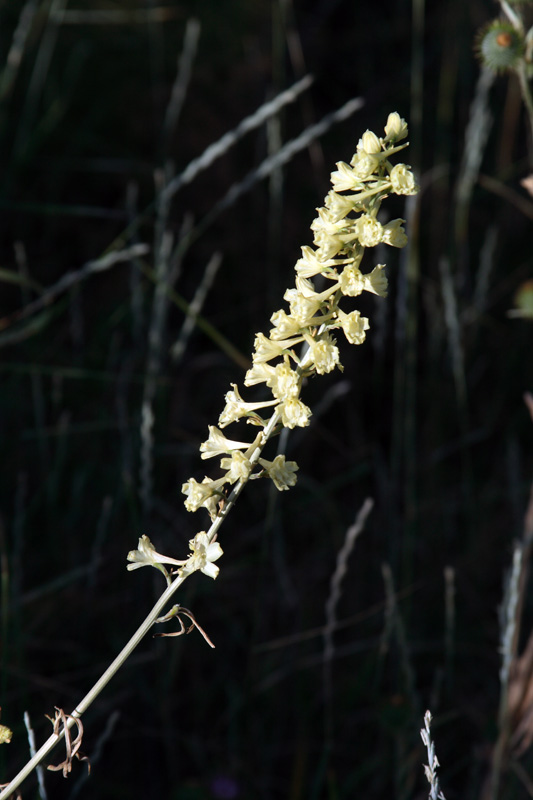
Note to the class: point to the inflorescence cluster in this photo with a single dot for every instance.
(346, 225)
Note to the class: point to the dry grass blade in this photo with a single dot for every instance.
(110, 16)
(229, 139)
(520, 701)
(72, 278)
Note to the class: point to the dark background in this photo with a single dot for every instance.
(427, 419)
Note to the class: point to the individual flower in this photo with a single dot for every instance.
(324, 353)
(259, 373)
(396, 128)
(284, 382)
(403, 180)
(294, 413)
(217, 444)
(203, 553)
(283, 473)
(345, 179)
(394, 234)
(265, 349)
(353, 326)
(339, 205)
(302, 308)
(326, 231)
(236, 408)
(284, 327)
(203, 495)
(238, 466)
(309, 264)
(364, 165)
(306, 288)
(370, 143)
(5, 734)
(147, 556)
(376, 282)
(368, 230)
(351, 281)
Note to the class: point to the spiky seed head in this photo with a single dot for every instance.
(499, 46)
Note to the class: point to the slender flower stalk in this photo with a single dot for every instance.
(345, 226)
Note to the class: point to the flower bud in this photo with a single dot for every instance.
(370, 143)
(396, 128)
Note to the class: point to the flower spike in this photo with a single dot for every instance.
(300, 343)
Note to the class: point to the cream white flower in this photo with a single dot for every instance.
(345, 179)
(236, 408)
(351, 281)
(324, 353)
(370, 143)
(376, 282)
(203, 553)
(5, 734)
(394, 234)
(147, 556)
(217, 444)
(283, 473)
(238, 466)
(340, 205)
(203, 495)
(403, 180)
(285, 326)
(309, 264)
(259, 373)
(302, 308)
(306, 288)
(285, 382)
(368, 230)
(364, 165)
(396, 128)
(353, 325)
(328, 246)
(294, 413)
(326, 231)
(325, 222)
(265, 349)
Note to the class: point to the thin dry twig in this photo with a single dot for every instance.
(72, 747)
(175, 613)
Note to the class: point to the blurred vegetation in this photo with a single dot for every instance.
(427, 419)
